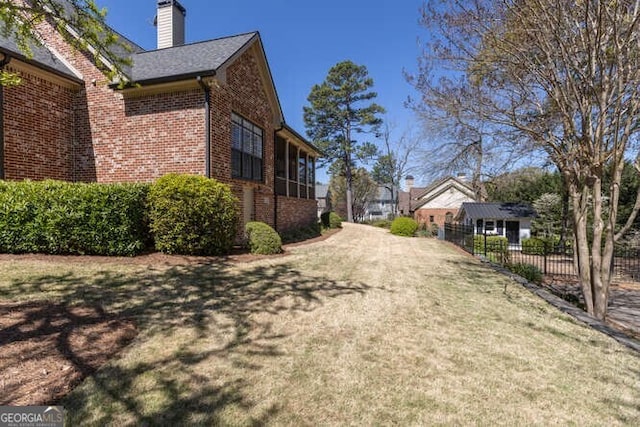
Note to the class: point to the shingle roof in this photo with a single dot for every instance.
(186, 60)
(39, 55)
(45, 58)
(497, 210)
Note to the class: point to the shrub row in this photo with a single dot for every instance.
(63, 218)
(182, 214)
(498, 244)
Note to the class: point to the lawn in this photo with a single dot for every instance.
(363, 328)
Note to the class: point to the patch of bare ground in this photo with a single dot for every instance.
(48, 348)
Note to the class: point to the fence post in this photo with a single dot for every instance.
(544, 256)
(485, 242)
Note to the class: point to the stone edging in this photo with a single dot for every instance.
(568, 308)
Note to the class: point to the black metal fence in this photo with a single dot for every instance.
(551, 260)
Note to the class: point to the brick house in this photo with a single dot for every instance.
(438, 203)
(208, 108)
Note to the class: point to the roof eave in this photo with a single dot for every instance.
(19, 57)
(164, 79)
(295, 134)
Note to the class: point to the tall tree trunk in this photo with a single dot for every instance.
(349, 181)
(598, 285)
(581, 261)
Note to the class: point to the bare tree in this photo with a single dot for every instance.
(564, 75)
(459, 139)
(364, 191)
(395, 162)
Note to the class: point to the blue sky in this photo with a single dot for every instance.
(302, 40)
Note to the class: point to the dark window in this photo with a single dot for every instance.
(293, 161)
(246, 149)
(500, 225)
(281, 166)
(281, 158)
(431, 218)
(479, 224)
(448, 218)
(303, 168)
(312, 177)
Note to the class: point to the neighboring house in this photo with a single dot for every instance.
(511, 220)
(207, 108)
(323, 198)
(381, 207)
(438, 203)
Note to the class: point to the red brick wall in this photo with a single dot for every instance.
(296, 213)
(243, 94)
(439, 215)
(38, 130)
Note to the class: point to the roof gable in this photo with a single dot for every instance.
(447, 182)
(439, 188)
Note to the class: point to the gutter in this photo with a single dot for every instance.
(5, 60)
(207, 126)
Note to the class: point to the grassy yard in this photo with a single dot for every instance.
(363, 328)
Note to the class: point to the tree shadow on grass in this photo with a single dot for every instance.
(210, 301)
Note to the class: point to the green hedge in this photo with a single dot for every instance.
(533, 246)
(263, 239)
(404, 226)
(497, 244)
(192, 215)
(528, 271)
(72, 218)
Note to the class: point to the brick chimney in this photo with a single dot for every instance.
(170, 23)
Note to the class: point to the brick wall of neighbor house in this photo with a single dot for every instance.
(439, 215)
(296, 213)
(38, 129)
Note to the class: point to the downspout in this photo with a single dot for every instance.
(275, 177)
(5, 60)
(207, 126)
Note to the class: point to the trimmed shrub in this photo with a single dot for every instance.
(192, 215)
(533, 246)
(334, 220)
(330, 220)
(57, 217)
(404, 226)
(263, 239)
(528, 271)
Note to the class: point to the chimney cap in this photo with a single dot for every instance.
(166, 3)
(409, 177)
